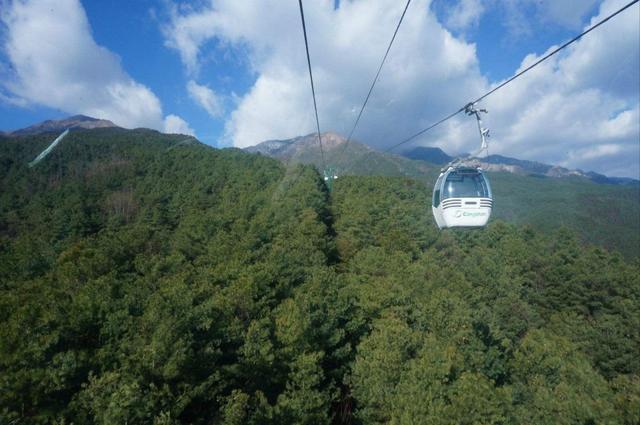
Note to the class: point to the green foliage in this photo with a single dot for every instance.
(602, 214)
(553, 383)
(144, 281)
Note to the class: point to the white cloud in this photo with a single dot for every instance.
(187, 34)
(427, 70)
(581, 99)
(206, 98)
(568, 13)
(175, 125)
(566, 109)
(56, 63)
(522, 18)
(464, 14)
(596, 152)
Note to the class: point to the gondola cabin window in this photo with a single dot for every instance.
(465, 185)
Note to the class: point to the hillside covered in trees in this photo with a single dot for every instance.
(603, 214)
(149, 279)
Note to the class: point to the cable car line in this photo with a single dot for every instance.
(313, 91)
(408, 139)
(375, 80)
(574, 39)
(462, 195)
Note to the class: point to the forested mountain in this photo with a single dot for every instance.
(604, 214)
(428, 154)
(149, 279)
(352, 159)
(517, 166)
(356, 158)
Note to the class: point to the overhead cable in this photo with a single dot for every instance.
(375, 80)
(547, 56)
(313, 91)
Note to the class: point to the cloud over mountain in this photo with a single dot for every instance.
(175, 124)
(427, 70)
(55, 62)
(581, 108)
(582, 99)
(206, 98)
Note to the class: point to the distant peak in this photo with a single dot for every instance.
(306, 145)
(331, 139)
(76, 121)
(82, 118)
(333, 134)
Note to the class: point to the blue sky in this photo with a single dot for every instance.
(234, 73)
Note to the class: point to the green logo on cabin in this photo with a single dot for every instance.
(473, 214)
(469, 214)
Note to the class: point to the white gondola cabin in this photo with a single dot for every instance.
(462, 198)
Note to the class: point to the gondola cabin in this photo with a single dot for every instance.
(462, 198)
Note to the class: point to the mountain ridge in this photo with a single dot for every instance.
(495, 162)
(301, 149)
(501, 163)
(305, 148)
(72, 122)
(602, 214)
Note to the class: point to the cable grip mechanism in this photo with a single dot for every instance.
(470, 109)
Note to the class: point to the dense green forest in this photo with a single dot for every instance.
(149, 279)
(603, 214)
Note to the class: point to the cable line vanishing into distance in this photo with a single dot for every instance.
(375, 80)
(408, 139)
(313, 90)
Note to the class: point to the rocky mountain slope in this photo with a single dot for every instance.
(74, 122)
(507, 164)
(352, 159)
